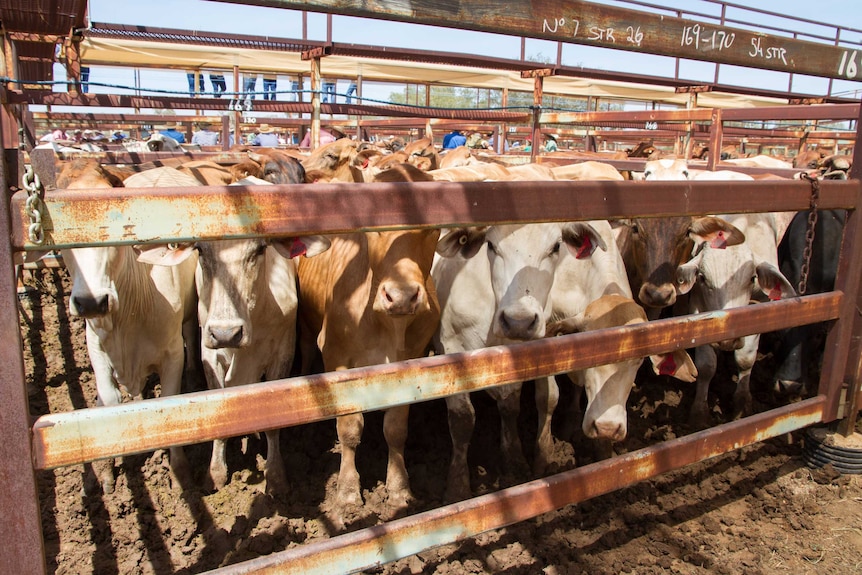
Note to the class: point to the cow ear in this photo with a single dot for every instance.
(717, 232)
(677, 364)
(773, 283)
(686, 275)
(462, 241)
(308, 246)
(566, 326)
(582, 239)
(164, 254)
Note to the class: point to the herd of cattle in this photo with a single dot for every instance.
(244, 308)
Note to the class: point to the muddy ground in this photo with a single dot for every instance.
(759, 510)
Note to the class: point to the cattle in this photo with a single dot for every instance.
(334, 161)
(247, 315)
(155, 143)
(653, 248)
(500, 285)
(273, 166)
(720, 277)
(760, 161)
(799, 346)
(808, 159)
(136, 314)
(369, 300)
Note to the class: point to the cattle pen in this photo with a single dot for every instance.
(36, 220)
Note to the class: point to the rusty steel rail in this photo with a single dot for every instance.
(374, 546)
(79, 436)
(594, 24)
(147, 215)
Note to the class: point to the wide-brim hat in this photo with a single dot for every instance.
(265, 129)
(204, 125)
(171, 125)
(552, 136)
(336, 130)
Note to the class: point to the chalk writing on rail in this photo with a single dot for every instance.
(632, 35)
(848, 66)
(768, 52)
(704, 39)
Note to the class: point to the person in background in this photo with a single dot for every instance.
(190, 76)
(118, 136)
(85, 79)
(205, 136)
(270, 82)
(327, 135)
(250, 85)
(350, 91)
(295, 88)
(265, 137)
(219, 85)
(172, 132)
(328, 91)
(550, 142)
(454, 139)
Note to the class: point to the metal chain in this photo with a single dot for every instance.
(809, 233)
(34, 205)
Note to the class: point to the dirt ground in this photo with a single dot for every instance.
(758, 510)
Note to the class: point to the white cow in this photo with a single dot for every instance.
(500, 285)
(721, 277)
(247, 312)
(135, 314)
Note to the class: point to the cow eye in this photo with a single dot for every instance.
(491, 248)
(685, 173)
(647, 174)
(556, 248)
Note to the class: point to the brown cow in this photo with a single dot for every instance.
(334, 161)
(370, 300)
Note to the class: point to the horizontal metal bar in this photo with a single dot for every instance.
(136, 427)
(595, 24)
(374, 546)
(141, 215)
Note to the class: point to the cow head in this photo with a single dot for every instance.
(230, 277)
(273, 166)
(608, 386)
(720, 279)
(422, 154)
(522, 261)
(334, 159)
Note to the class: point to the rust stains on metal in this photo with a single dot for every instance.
(369, 548)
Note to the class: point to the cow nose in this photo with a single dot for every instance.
(224, 335)
(524, 325)
(90, 305)
(607, 429)
(400, 298)
(657, 295)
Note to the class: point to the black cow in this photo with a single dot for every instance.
(799, 345)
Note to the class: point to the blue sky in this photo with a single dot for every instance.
(232, 18)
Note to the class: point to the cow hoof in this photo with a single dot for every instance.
(400, 499)
(216, 480)
(276, 481)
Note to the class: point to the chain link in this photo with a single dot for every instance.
(809, 233)
(34, 205)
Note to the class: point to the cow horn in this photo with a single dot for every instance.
(255, 156)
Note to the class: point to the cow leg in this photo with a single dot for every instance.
(170, 376)
(395, 432)
(705, 360)
(108, 393)
(509, 403)
(273, 471)
(547, 397)
(218, 467)
(349, 429)
(462, 421)
(745, 359)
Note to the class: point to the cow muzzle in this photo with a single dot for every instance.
(520, 323)
(399, 298)
(218, 335)
(90, 305)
